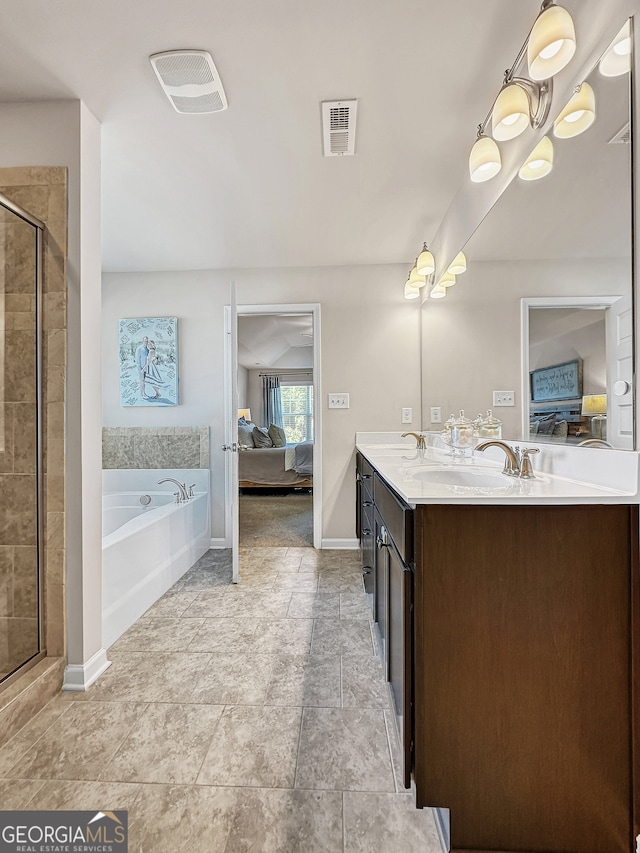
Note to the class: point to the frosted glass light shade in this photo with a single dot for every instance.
(484, 160)
(411, 292)
(617, 57)
(458, 265)
(578, 115)
(539, 163)
(446, 280)
(425, 264)
(438, 291)
(417, 280)
(510, 115)
(551, 44)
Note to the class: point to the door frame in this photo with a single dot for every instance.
(312, 308)
(589, 302)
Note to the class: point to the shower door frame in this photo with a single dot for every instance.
(40, 531)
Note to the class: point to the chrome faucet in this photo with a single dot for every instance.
(512, 461)
(183, 489)
(418, 437)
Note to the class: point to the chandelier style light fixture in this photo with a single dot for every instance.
(524, 101)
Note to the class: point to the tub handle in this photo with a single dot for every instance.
(191, 488)
(177, 497)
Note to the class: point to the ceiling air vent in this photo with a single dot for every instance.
(190, 80)
(339, 127)
(623, 136)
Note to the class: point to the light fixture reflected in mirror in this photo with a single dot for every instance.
(484, 160)
(438, 291)
(617, 57)
(410, 291)
(578, 115)
(447, 280)
(417, 280)
(425, 264)
(551, 43)
(458, 265)
(539, 163)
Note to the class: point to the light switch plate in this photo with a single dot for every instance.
(338, 401)
(504, 398)
(436, 414)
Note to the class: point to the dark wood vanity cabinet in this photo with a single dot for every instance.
(511, 642)
(526, 675)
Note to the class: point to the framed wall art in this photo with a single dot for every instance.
(148, 354)
(557, 382)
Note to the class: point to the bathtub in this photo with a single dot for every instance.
(146, 549)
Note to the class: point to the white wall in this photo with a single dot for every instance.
(369, 348)
(472, 338)
(243, 385)
(586, 342)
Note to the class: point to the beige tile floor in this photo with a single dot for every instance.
(249, 717)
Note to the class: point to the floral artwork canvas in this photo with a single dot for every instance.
(148, 354)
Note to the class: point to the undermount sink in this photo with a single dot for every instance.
(469, 477)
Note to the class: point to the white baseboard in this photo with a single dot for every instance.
(218, 543)
(79, 676)
(341, 544)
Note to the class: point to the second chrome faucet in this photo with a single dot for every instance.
(516, 464)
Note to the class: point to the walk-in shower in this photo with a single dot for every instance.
(21, 510)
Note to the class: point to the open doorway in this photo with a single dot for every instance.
(277, 426)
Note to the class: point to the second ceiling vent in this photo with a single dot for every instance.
(339, 127)
(190, 80)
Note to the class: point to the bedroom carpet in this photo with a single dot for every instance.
(276, 520)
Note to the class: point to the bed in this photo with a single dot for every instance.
(276, 467)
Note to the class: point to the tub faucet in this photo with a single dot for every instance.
(418, 437)
(183, 489)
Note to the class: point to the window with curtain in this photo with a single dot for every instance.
(297, 412)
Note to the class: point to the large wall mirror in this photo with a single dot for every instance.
(545, 307)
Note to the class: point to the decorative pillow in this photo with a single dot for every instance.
(533, 427)
(560, 429)
(546, 425)
(261, 437)
(245, 434)
(278, 436)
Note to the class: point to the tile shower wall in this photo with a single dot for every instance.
(155, 447)
(42, 191)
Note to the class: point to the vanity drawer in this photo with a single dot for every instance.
(397, 517)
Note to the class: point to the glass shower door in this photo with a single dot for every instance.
(20, 467)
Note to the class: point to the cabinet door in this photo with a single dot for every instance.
(399, 648)
(381, 583)
(367, 547)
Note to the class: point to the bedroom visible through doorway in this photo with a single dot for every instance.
(276, 429)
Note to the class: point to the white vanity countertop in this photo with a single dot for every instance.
(564, 474)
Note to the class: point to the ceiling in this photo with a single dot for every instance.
(249, 187)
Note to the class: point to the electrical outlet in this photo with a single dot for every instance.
(407, 416)
(504, 398)
(338, 401)
(436, 415)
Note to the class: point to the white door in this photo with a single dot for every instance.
(231, 431)
(620, 374)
